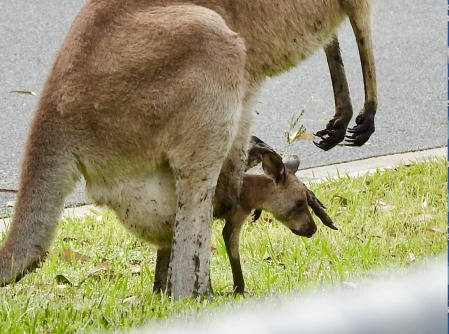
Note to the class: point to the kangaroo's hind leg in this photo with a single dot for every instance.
(211, 113)
(195, 186)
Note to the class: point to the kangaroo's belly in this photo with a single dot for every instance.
(146, 206)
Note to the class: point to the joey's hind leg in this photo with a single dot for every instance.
(231, 237)
(336, 128)
(161, 271)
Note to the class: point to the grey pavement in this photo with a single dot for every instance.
(410, 51)
(309, 175)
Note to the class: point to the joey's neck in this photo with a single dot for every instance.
(254, 191)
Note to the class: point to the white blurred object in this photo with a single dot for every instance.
(412, 303)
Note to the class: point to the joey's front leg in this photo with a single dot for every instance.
(336, 128)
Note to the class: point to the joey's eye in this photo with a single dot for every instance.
(300, 204)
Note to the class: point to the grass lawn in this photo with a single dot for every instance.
(99, 277)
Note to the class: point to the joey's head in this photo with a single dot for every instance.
(285, 196)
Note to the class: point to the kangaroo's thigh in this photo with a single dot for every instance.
(201, 136)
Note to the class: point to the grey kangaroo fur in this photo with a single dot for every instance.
(142, 90)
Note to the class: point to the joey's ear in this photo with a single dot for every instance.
(291, 163)
(271, 161)
(255, 140)
(273, 166)
(255, 151)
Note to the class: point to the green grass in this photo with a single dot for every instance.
(392, 219)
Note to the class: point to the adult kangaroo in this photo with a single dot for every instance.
(141, 89)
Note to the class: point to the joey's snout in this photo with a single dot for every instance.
(307, 230)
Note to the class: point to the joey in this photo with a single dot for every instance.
(278, 191)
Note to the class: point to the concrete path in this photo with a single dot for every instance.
(364, 166)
